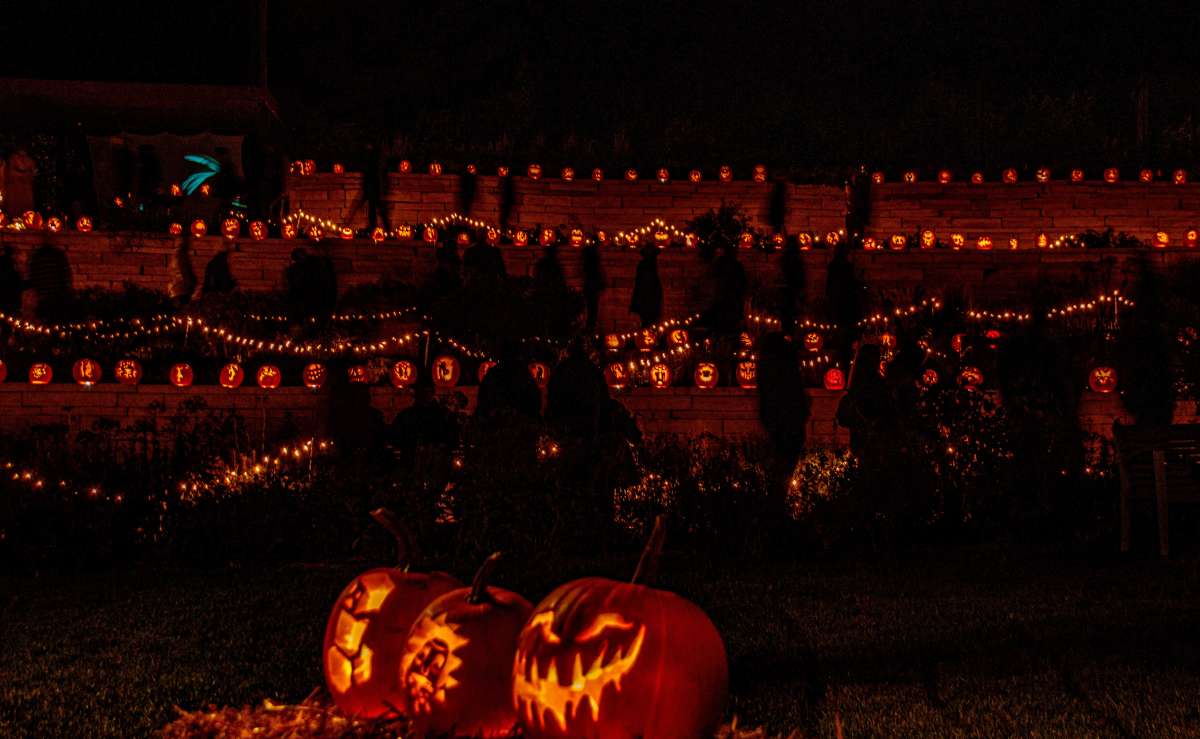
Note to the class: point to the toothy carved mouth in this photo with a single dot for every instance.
(537, 695)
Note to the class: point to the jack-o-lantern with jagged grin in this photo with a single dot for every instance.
(600, 658)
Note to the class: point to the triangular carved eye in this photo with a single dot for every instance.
(544, 621)
(602, 622)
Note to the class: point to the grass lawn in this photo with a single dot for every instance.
(967, 645)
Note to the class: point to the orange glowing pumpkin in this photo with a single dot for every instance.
(54, 224)
(339, 168)
(405, 167)
(346, 233)
(977, 178)
(1162, 239)
(725, 174)
(232, 375)
(83, 224)
(662, 175)
(402, 373)
(568, 174)
(910, 176)
(534, 171)
(695, 175)
(898, 242)
(1146, 175)
(502, 171)
(358, 374)
(944, 176)
(760, 173)
(706, 375)
(576, 237)
(430, 235)
(313, 375)
(1112, 174)
(1042, 175)
(646, 339)
(928, 239)
(660, 376)
(597, 174)
(678, 337)
(877, 178)
(970, 378)
(289, 230)
(445, 371)
(834, 379)
(404, 231)
(631, 175)
(199, 228)
(128, 371)
(1009, 176)
(378, 234)
(230, 228)
(435, 168)
(1102, 379)
(521, 238)
(746, 374)
(40, 373)
(813, 341)
(269, 377)
(258, 230)
(1076, 175)
(181, 375)
(87, 372)
(1179, 176)
(616, 375)
(540, 374)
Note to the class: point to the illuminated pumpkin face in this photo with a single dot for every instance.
(40, 374)
(833, 238)
(309, 167)
(600, 658)
(612, 342)
(232, 375)
(662, 175)
(484, 368)
(472, 169)
(887, 340)
(928, 239)
(616, 375)
(1146, 175)
(877, 178)
(576, 237)
(358, 374)
(521, 238)
(258, 230)
(1162, 239)
(83, 224)
(429, 235)
(1009, 176)
(1102, 379)
(632, 239)
(777, 241)
(695, 175)
(660, 376)
(492, 237)
(678, 337)
(502, 171)
(346, 232)
(206, 190)
(870, 244)
(181, 375)
(760, 173)
(199, 228)
(1042, 175)
(86, 372)
(314, 232)
(540, 374)
(378, 234)
(929, 378)
(706, 375)
(445, 371)
(597, 174)
(364, 638)
(568, 173)
(1179, 177)
(898, 242)
(746, 240)
(957, 241)
(646, 339)
(805, 240)
(339, 168)
(455, 658)
(1190, 237)
(269, 377)
(314, 376)
(289, 231)
(662, 239)
(405, 167)
(725, 174)
(834, 379)
(747, 374)
(957, 342)
(746, 339)
(1112, 174)
(463, 238)
(547, 237)
(435, 168)
(602, 237)
(631, 174)
(403, 373)
(128, 372)
(177, 191)
(984, 243)
(54, 224)
(977, 178)
(1076, 175)
(1043, 241)
(970, 377)
(404, 231)
(534, 171)
(813, 341)
(910, 176)
(944, 176)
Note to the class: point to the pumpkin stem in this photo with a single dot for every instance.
(406, 545)
(647, 566)
(479, 593)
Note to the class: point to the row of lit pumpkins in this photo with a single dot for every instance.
(927, 239)
(31, 220)
(595, 658)
(535, 171)
(1042, 175)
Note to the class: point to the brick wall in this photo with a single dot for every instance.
(1025, 209)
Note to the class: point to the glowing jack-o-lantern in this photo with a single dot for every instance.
(269, 377)
(631, 174)
(597, 174)
(805, 240)
(898, 242)
(492, 237)
(40, 373)
(647, 338)
(405, 167)
(1076, 175)
(928, 239)
(403, 373)
(358, 374)
(1009, 176)
(521, 238)
(1146, 175)
(181, 375)
(1179, 177)
(456, 653)
(463, 238)
(834, 379)
(612, 342)
(1102, 379)
(660, 376)
(777, 242)
(957, 241)
(760, 173)
(833, 238)
(632, 239)
(1112, 174)
(378, 235)
(929, 378)
(977, 178)
(258, 230)
(472, 169)
(534, 171)
(547, 237)
(1042, 175)
(877, 178)
(365, 635)
(86, 372)
(314, 376)
(1162, 239)
(315, 232)
(430, 235)
(540, 374)
(746, 373)
(484, 368)
(575, 238)
(128, 371)
(910, 176)
(199, 228)
(289, 230)
(502, 171)
(1190, 237)
(662, 175)
(445, 371)
(346, 233)
(83, 224)
(568, 174)
(970, 377)
(678, 337)
(662, 239)
(706, 375)
(404, 231)
(435, 168)
(695, 175)
(232, 375)
(958, 342)
(944, 176)
(601, 658)
(813, 341)
(984, 243)
(205, 190)
(339, 168)
(616, 375)
(308, 167)
(746, 240)
(870, 243)
(54, 224)
(725, 173)
(1042, 241)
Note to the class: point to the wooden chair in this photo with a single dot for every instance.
(1162, 463)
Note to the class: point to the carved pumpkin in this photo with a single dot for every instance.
(929, 378)
(405, 167)
(870, 244)
(970, 377)
(631, 175)
(1102, 379)
(521, 238)
(534, 171)
(660, 376)
(984, 243)
(404, 231)
(128, 371)
(358, 374)
(760, 173)
(463, 238)
(269, 377)
(314, 376)
(690, 240)
(662, 239)
(678, 337)
(339, 168)
(1146, 175)
(435, 168)
(977, 178)
(366, 633)
(616, 375)
(199, 228)
(403, 373)
(54, 224)
(746, 240)
(706, 375)
(813, 341)
(898, 242)
(258, 230)
(346, 233)
(944, 176)
(492, 237)
(1076, 175)
(445, 371)
(83, 224)
(315, 232)
(663, 175)
(230, 228)
(1112, 174)
(87, 372)
(232, 375)
(928, 239)
(600, 658)
(309, 167)
(1042, 175)
(540, 374)
(834, 379)
(910, 176)
(957, 241)
(597, 174)
(833, 238)
(612, 342)
(1043, 240)
(1190, 237)
(725, 174)
(181, 375)
(177, 191)
(1179, 177)
(805, 239)
(956, 342)
(1009, 176)
(877, 178)
(430, 235)
(568, 174)
(502, 171)
(289, 231)
(40, 373)
(576, 237)
(695, 175)
(646, 339)
(547, 237)
(378, 234)
(747, 374)
(457, 654)
(472, 169)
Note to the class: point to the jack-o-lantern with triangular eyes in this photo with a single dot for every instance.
(366, 634)
(601, 658)
(457, 658)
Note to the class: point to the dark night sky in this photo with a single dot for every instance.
(672, 80)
